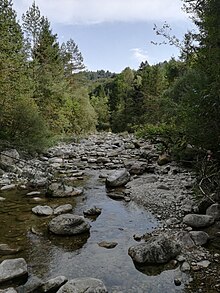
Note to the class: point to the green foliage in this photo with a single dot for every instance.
(81, 114)
(27, 128)
(100, 105)
(71, 57)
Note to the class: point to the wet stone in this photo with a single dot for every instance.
(66, 208)
(12, 268)
(108, 245)
(68, 224)
(94, 211)
(54, 284)
(42, 210)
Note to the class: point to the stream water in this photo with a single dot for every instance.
(49, 256)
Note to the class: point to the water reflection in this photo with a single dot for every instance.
(154, 270)
(69, 243)
(50, 255)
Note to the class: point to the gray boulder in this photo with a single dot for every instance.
(118, 178)
(199, 237)
(83, 285)
(8, 159)
(198, 221)
(53, 285)
(68, 224)
(214, 211)
(157, 250)
(12, 268)
(42, 210)
(66, 208)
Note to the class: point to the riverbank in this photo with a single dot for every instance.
(157, 185)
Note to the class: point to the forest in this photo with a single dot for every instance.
(46, 94)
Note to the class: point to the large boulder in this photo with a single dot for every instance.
(68, 224)
(12, 268)
(198, 221)
(157, 250)
(118, 178)
(82, 285)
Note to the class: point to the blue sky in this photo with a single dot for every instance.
(113, 34)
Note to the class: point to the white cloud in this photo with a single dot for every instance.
(139, 54)
(98, 11)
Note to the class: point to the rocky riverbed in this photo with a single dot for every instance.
(110, 192)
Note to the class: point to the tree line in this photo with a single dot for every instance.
(176, 99)
(45, 91)
(40, 95)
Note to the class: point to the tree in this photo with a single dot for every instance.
(51, 89)
(32, 22)
(72, 58)
(204, 101)
(20, 121)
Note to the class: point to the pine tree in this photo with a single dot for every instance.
(11, 62)
(72, 58)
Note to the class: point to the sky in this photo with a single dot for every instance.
(114, 34)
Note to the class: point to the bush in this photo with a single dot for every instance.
(27, 129)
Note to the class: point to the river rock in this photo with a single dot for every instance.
(185, 267)
(33, 193)
(136, 168)
(199, 237)
(94, 211)
(8, 159)
(8, 290)
(42, 210)
(118, 178)
(62, 190)
(12, 268)
(82, 285)
(8, 187)
(198, 221)
(214, 211)
(68, 224)
(107, 244)
(185, 239)
(63, 209)
(157, 250)
(32, 285)
(53, 285)
(6, 250)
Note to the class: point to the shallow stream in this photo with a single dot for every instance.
(49, 256)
